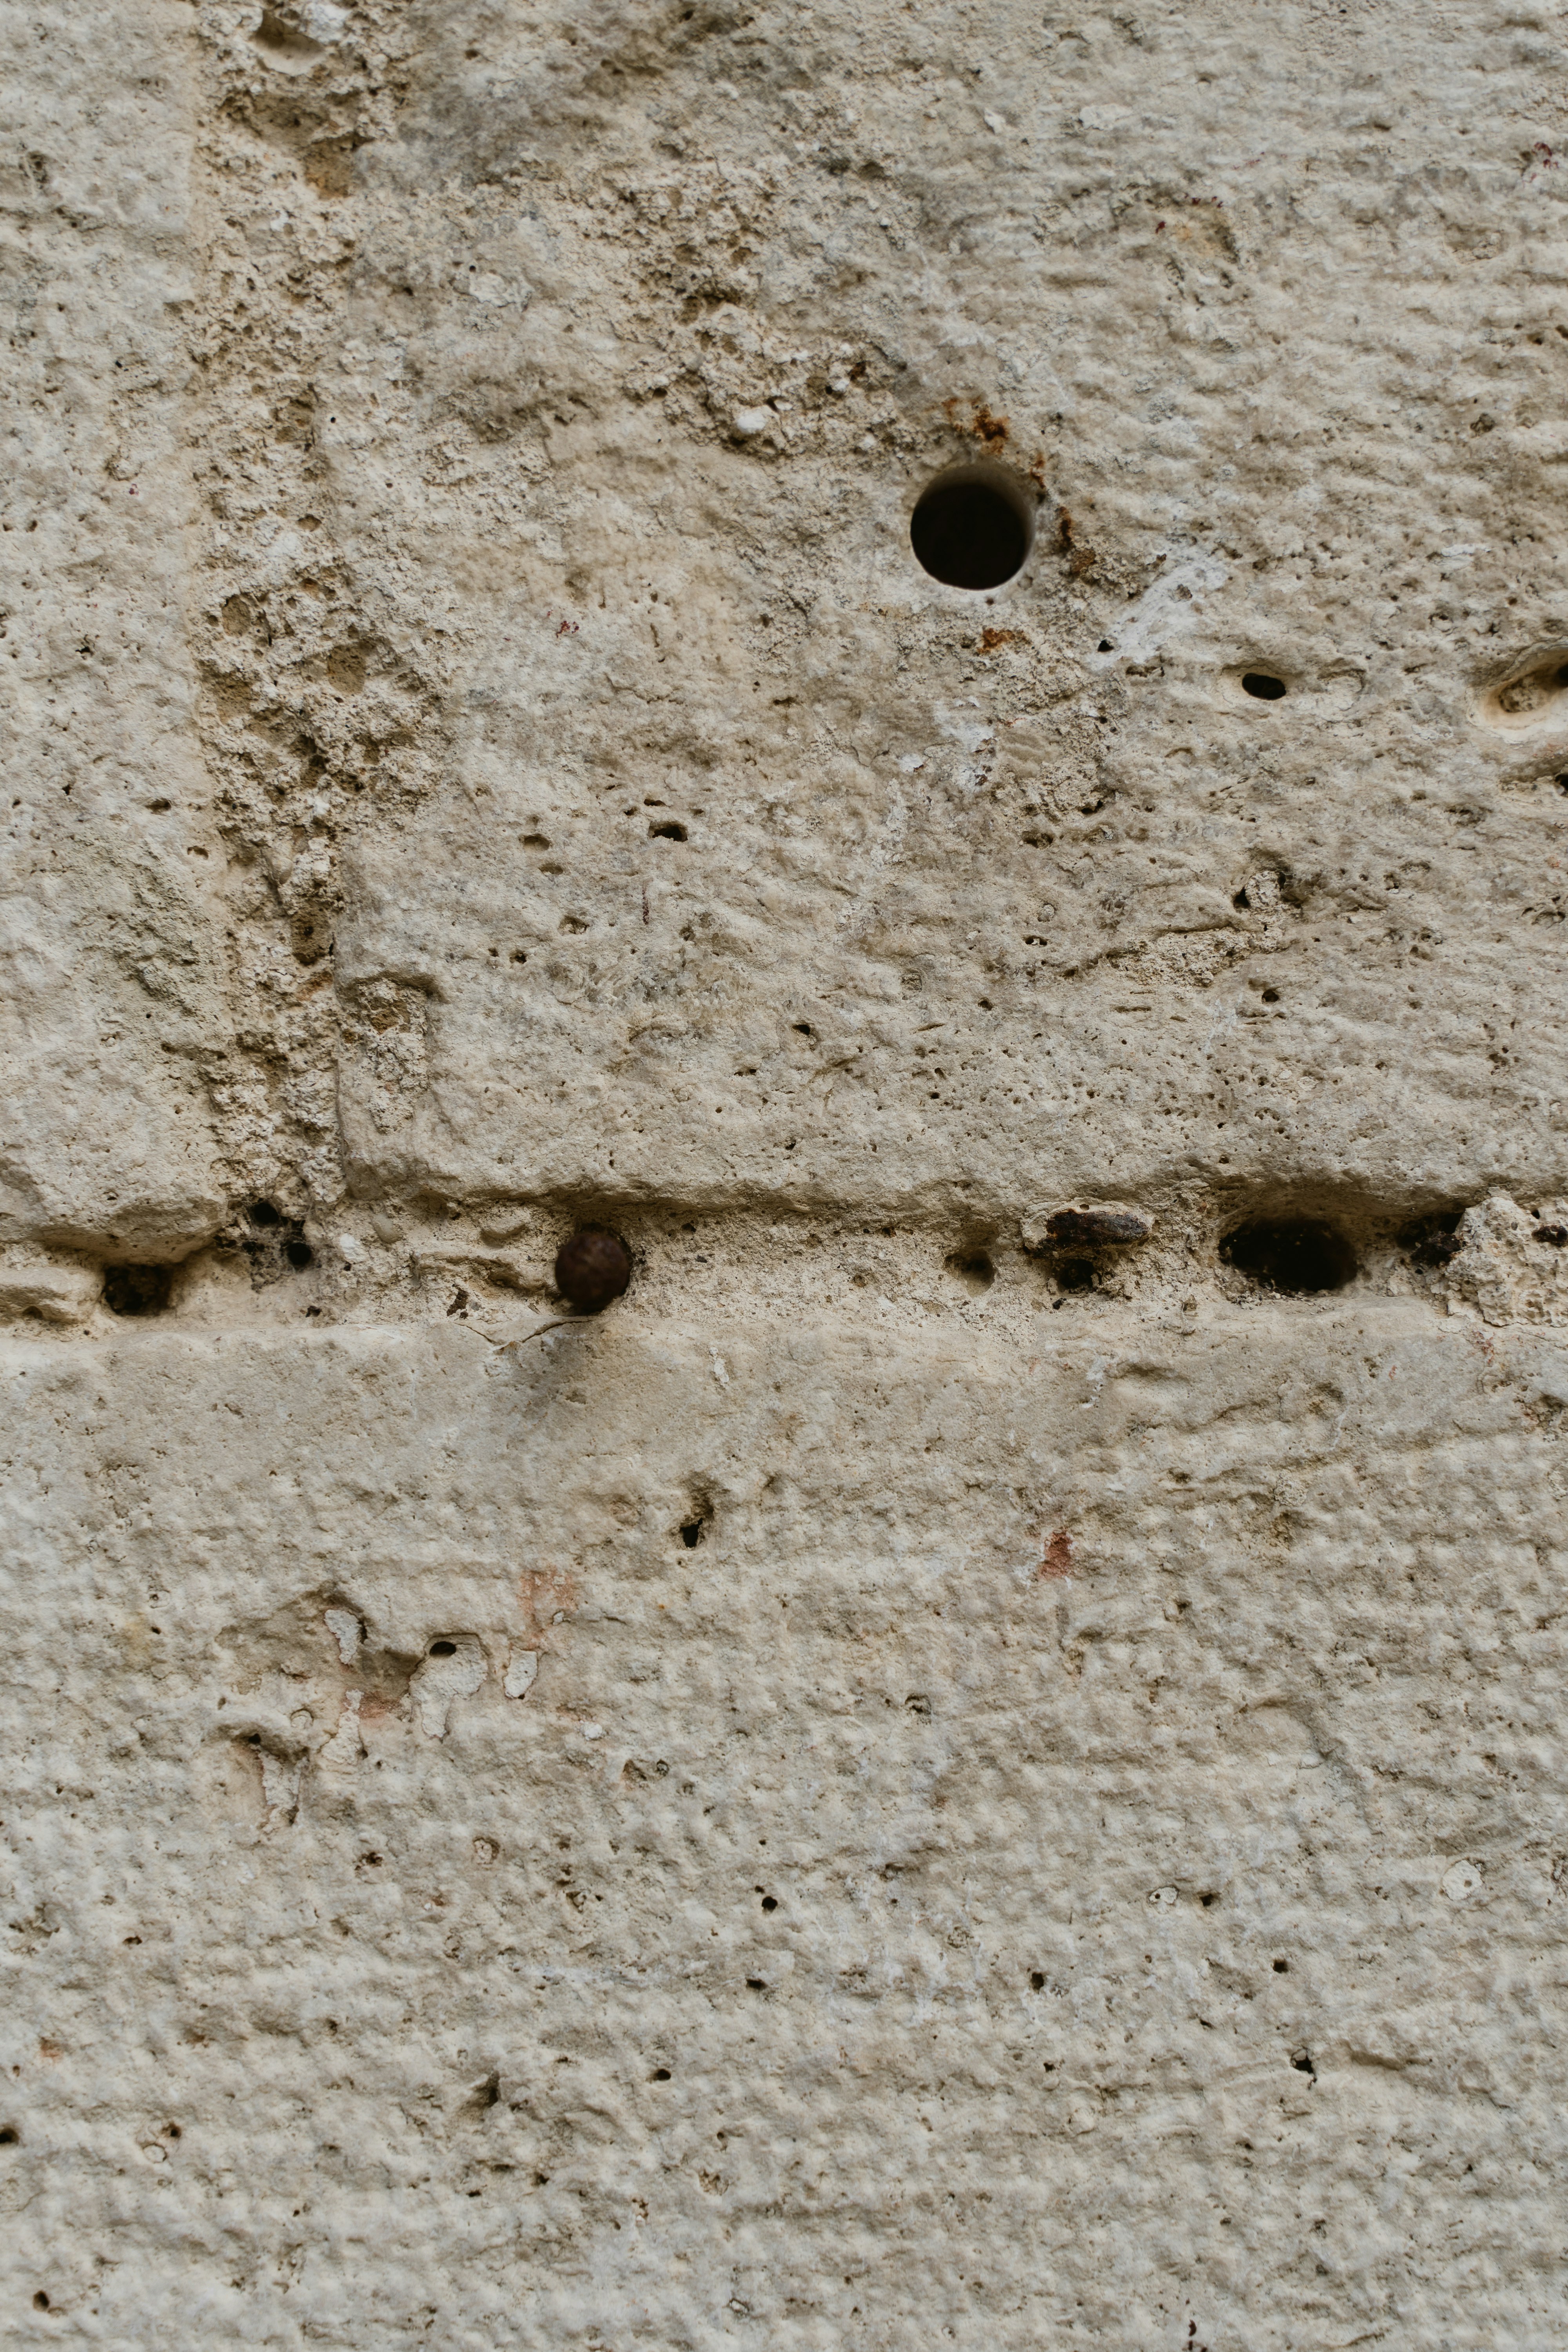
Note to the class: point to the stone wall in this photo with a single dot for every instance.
(974, 1760)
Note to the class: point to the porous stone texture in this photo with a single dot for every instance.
(959, 1765)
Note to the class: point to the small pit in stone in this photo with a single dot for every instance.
(136, 1289)
(972, 1268)
(1262, 684)
(1296, 1257)
(1075, 1274)
(1534, 690)
(972, 527)
(1430, 1242)
(1535, 696)
(273, 1243)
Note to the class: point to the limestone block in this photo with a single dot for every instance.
(1509, 1263)
(919, 658)
(61, 1289)
(1046, 1752)
(108, 995)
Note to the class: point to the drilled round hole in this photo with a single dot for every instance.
(443, 1650)
(1297, 1255)
(1262, 684)
(971, 528)
(262, 1212)
(300, 1255)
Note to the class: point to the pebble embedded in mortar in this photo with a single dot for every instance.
(592, 1267)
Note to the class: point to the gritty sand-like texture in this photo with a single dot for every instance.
(964, 1765)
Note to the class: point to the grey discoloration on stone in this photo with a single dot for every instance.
(974, 1757)
(1087, 1224)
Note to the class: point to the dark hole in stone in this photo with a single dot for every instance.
(8, 2135)
(1304, 2065)
(443, 1650)
(40, 2301)
(691, 1534)
(968, 534)
(1431, 1242)
(1560, 783)
(172, 2131)
(669, 831)
(756, 1984)
(1076, 1274)
(136, 1289)
(1297, 1255)
(300, 1255)
(1240, 898)
(661, 2073)
(592, 1267)
(1208, 1901)
(262, 1212)
(1259, 683)
(973, 1267)
(770, 1903)
(1281, 1968)
(1271, 997)
(1105, 646)
(1037, 1979)
(488, 2093)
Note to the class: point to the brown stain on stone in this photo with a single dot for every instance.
(1057, 1560)
(984, 425)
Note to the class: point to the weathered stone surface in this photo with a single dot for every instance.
(974, 1760)
(1092, 1823)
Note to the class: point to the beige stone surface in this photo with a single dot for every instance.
(959, 1767)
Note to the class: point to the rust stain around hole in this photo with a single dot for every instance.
(984, 426)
